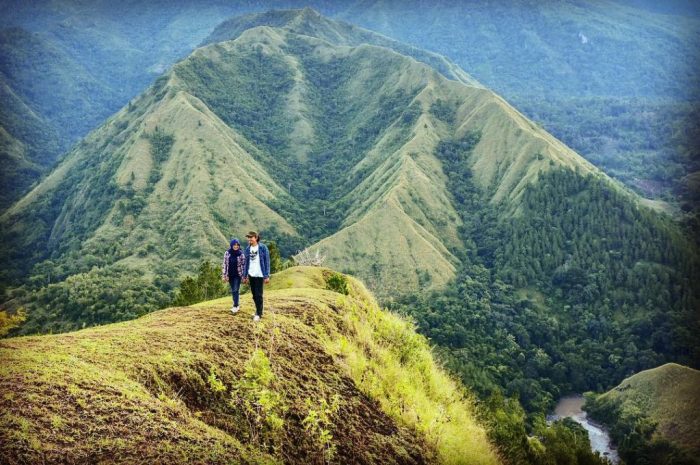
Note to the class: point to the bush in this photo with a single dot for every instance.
(205, 286)
(338, 283)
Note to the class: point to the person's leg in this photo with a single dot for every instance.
(233, 292)
(235, 289)
(256, 288)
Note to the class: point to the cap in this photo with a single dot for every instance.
(252, 234)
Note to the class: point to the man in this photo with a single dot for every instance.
(257, 270)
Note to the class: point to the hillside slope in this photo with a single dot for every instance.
(662, 401)
(323, 376)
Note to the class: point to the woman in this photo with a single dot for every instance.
(232, 270)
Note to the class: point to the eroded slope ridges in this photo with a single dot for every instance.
(160, 180)
(174, 387)
(394, 191)
(288, 134)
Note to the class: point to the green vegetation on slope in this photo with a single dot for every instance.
(648, 144)
(538, 247)
(577, 290)
(307, 21)
(574, 283)
(653, 415)
(130, 197)
(323, 374)
(48, 101)
(568, 66)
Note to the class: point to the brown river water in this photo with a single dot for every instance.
(571, 407)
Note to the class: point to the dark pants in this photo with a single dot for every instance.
(256, 288)
(235, 283)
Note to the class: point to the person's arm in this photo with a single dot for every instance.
(224, 267)
(246, 255)
(241, 265)
(266, 271)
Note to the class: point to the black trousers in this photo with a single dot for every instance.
(256, 288)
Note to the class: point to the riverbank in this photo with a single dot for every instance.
(572, 407)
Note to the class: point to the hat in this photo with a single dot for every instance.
(235, 241)
(252, 234)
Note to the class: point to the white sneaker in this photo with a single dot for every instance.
(256, 318)
(234, 310)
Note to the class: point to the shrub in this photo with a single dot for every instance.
(263, 408)
(338, 283)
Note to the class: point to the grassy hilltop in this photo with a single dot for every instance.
(323, 375)
(654, 414)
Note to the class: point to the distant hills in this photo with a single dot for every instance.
(652, 409)
(34, 109)
(323, 377)
(66, 67)
(571, 49)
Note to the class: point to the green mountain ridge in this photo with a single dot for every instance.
(323, 377)
(150, 205)
(636, 124)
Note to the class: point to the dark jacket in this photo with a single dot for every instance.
(240, 265)
(264, 255)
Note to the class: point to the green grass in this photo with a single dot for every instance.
(667, 397)
(160, 388)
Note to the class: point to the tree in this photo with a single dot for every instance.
(206, 286)
(275, 257)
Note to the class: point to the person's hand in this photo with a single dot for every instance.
(267, 280)
(225, 279)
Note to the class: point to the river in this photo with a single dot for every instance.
(571, 406)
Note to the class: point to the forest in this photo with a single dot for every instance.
(577, 291)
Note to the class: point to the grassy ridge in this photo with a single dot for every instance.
(167, 388)
(651, 409)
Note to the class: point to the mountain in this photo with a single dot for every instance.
(324, 377)
(255, 133)
(533, 272)
(653, 414)
(33, 111)
(66, 67)
(572, 49)
(308, 21)
(566, 66)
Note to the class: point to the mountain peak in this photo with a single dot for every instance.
(309, 22)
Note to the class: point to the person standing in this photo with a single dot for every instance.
(232, 270)
(257, 270)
